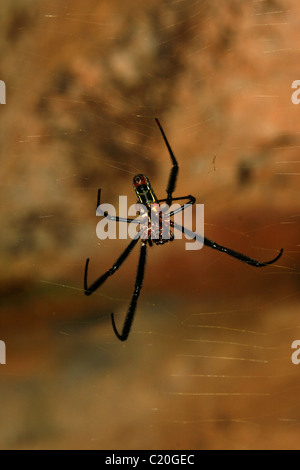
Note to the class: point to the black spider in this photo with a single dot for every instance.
(147, 197)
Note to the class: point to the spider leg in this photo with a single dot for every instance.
(240, 256)
(191, 200)
(98, 198)
(137, 290)
(111, 271)
(119, 219)
(174, 169)
(228, 251)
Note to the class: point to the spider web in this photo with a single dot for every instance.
(208, 362)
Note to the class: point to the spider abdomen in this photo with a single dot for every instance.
(156, 227)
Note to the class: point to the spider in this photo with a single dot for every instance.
(147, 197)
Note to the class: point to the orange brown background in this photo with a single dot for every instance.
(208, 362)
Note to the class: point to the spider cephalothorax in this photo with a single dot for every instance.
(156, 224)
(144, 190)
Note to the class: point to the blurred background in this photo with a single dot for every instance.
(208, 362)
